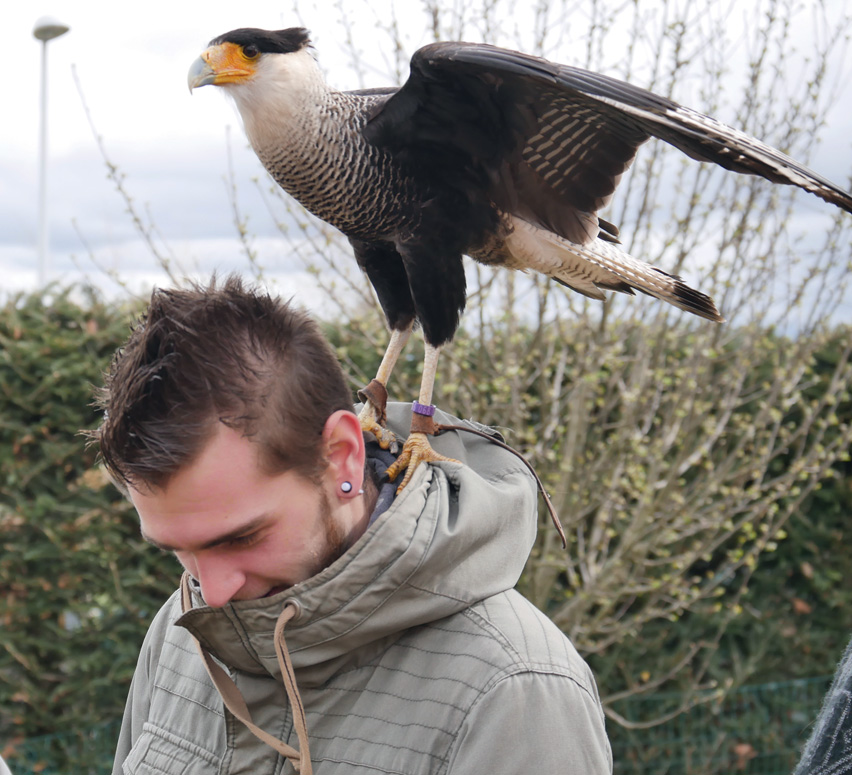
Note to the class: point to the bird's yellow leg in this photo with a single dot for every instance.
(417, 448)
(375, 396)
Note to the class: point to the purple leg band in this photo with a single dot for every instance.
(427, 410)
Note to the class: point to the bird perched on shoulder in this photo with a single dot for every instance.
(484, 152)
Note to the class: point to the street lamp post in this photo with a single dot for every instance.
(46, 28)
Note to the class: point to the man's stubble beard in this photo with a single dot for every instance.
(337, 542)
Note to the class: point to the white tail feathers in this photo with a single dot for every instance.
(597, 266)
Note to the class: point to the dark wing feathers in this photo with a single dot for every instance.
(548, 141)
(697, 135)
(539, 152)
(706, 139)
(576, 152)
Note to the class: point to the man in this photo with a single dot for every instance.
(320, 618)
(829, 748)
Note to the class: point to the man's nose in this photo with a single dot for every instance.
(219, 582)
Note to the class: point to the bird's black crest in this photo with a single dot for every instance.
(267, 41)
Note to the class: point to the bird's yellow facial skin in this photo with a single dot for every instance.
(223, 64)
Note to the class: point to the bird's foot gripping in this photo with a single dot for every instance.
(417, 448)
(373, 418)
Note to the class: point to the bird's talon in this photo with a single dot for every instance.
(399, 465)
(415, 451)
(369, 424)
(385, 437)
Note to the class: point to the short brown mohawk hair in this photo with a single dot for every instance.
(228, 354)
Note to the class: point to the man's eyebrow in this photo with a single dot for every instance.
(248, 527)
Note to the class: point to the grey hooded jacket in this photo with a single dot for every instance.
(412, 653)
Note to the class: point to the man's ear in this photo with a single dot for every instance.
(344, 449)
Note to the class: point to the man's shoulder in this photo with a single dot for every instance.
(480, 447)
(540, 703)
(529, 640)
(500, 637)
(161, 629)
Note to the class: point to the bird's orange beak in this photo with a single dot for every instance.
(219, 65)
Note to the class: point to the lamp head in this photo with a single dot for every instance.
(47, 28)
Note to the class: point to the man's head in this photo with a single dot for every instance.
(227, 355)
(228, 422)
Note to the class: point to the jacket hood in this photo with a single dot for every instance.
(457, 534)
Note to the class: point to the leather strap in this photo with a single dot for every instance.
(377, 394)
(422, 423)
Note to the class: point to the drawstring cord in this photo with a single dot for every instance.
(234, 701)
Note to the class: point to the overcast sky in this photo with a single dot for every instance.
(131, 62)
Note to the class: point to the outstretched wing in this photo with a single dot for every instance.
(549, 142)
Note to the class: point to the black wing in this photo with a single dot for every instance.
(549, 142)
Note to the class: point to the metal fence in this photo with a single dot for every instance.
(754, 730)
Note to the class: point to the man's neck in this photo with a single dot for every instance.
(368, 503)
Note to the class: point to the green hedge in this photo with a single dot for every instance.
(77, 587)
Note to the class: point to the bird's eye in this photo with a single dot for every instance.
(250, 51)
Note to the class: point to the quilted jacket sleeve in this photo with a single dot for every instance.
(533, 722)
(139, 697)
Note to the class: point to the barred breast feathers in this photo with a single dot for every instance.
(308, 137)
